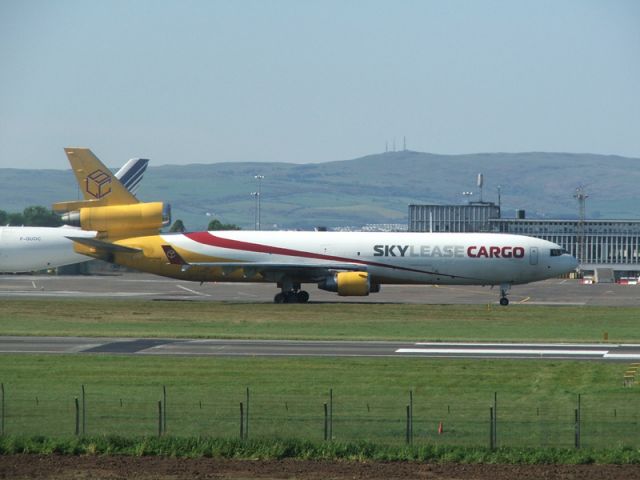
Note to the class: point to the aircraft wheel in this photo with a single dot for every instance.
(279, 298)
(504, 301)
(303, 297)
(290, 297)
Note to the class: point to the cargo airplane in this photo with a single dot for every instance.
(348, 263)
(29, 249)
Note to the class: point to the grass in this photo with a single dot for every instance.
(536, 399)
(143, 318)
(304, 450)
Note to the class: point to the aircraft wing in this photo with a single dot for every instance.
(306, 270)
(106, 246)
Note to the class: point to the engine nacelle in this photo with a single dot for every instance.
(347, 284)
(136, 217)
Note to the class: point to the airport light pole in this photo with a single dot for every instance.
(255, 210)
(259, 179)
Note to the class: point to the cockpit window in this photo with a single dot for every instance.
(556, 252)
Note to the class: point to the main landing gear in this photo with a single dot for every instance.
(292, 296)
(504, 290)
(291, 293)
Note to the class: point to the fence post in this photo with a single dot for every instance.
(326, 422)
(77, 416)
(164, 408)
(577, 421)
(2, 409)
(84, 420)
(246, 423)
(408, 427)
(411, 416)
(495, 419)
(159, 418)
(241, 421)
(331, 414)
(491, 427)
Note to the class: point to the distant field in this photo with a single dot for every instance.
(143, 318)
(536, 399)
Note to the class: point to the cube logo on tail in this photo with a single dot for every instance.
(98, 184)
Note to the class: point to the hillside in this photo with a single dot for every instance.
(372, 189)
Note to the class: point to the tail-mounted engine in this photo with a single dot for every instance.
(348, 284)
(137, 217)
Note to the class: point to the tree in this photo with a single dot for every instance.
(38, 216)
(177, 226)
(216, 224)
(15, 219)
(4, 218)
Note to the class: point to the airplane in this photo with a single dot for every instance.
(28, 249)
(348, 263)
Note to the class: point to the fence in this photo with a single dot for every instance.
(589, 420)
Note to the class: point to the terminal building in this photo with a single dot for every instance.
(599, 245)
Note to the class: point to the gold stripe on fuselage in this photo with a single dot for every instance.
(153, 259)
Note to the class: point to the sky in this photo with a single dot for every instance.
(312, 81)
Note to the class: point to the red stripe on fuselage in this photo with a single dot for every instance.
(207, 238)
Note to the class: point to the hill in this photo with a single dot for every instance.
(372, 189)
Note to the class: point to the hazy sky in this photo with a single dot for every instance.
(312, 81)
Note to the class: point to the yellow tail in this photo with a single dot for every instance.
(99, 187)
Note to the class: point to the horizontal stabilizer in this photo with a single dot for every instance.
(104, 246)
(73, 205)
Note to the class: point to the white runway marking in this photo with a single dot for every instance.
(195, 292)
(531, 345)
(622, 356)
(505, 351)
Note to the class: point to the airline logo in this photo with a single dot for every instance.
(98, 184)
(173, 256)
(448, 251)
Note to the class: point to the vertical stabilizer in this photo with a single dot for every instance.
(132, 172)
(95, 180)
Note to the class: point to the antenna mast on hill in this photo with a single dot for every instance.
(581, 196)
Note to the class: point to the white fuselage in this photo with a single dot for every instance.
(438, 258)
(28, 249)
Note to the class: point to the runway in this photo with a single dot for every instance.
(150, 287)
(289, 348)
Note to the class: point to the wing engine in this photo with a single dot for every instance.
(348, 284)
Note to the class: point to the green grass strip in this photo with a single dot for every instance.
(164, 319)
(196, 447)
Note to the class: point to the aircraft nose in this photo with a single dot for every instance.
(573, 262)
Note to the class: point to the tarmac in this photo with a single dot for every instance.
(146, 286)
(150, 287)
(305, 348)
